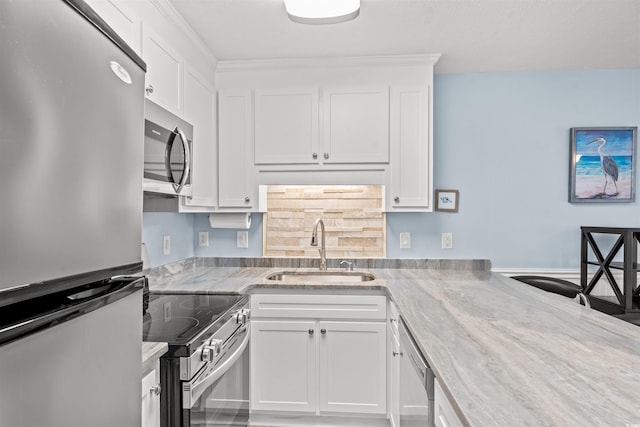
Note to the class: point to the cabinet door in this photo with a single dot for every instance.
(283, 365)
(164, 72)
(286, 126)
(120, 18)
(356, 125)
(394, 379)
(199, 101)
(352, 366)
(410, 153)
(150, 400)
(235, 137)
(445, 415)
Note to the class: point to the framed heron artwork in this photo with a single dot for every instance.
(603, 164)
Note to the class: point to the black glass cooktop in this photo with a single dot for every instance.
(177, 318)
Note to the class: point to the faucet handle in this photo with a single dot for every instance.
(348, 265)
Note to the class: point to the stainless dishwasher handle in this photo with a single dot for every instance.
(192, 392)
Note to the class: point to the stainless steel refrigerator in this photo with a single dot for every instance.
(71, 164)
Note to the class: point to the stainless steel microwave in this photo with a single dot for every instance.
(168, 143)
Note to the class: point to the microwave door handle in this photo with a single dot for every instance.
(187, 160)
(167, 159)
(199, 385)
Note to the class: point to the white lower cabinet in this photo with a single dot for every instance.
(151, 398)
(315, 365)
(283, 362)
(445, 415)
(352, 368)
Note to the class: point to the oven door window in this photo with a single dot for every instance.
(225, 401)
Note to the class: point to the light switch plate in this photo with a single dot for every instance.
(203, 238)
(166, 244)
(242, 239)
(447, 240)
(405, 240)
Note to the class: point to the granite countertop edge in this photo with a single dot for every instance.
(497, 343)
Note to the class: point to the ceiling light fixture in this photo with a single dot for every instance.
(322, 11)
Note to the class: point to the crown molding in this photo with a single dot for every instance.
(328, 62)
(170, 12)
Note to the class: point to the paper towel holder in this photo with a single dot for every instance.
(238, 221)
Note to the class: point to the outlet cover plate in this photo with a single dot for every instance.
(242, 239)
(405, 240)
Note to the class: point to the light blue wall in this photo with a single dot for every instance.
(155, 225)
(502, 140)
(222, 242)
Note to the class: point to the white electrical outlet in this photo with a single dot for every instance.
(447, 240)
(166, 244)
(405, 240)
(203, 238)
(242, 239)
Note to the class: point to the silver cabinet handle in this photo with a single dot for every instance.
(323, 331)
(156, 389)
(311, 331)
(149, 89)
(392, 320)
(247, 199)
(314, 155)
(326, 156)
(396, 199)
(397, 353)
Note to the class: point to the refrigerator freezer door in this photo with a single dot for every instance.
(71, 141)
(83, 372)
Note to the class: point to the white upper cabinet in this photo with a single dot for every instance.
(165, 67)
(236, 187)
(410, 185)
(286, 126)
(199, 110)
(356, 125)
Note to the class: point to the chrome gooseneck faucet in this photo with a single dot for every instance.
(314, 242)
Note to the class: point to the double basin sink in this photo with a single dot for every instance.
(321, 276)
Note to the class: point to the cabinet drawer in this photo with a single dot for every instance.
(319, 306)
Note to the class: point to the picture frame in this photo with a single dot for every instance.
(447, 200)
(603, 165)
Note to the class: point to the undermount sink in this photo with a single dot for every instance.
(321, 276)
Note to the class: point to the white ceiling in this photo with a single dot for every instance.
(471, 35)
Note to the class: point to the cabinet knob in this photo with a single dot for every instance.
(314, 155)
(247, 199)
(396, 199)
(397, 353)
(156, 389)
(311, 331)
(326, 156)
(149, 89)
(323, 331)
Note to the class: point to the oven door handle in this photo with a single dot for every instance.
(192, 392)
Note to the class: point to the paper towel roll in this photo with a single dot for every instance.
(230, 220)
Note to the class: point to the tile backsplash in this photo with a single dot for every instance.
(353, 215)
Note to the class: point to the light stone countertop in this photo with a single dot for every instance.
(507, 354)
(151, 352)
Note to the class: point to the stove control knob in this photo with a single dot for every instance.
(211, 351)
(242, 316)
(207, 354)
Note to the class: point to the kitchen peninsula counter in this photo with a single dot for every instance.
(506, 353)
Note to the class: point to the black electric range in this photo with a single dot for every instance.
(183, 320)
(203, 331)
